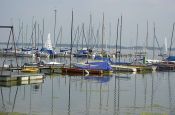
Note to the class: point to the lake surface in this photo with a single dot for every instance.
(119, 94)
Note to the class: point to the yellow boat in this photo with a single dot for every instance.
(29, 70)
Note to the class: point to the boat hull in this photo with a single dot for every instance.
(80, 71)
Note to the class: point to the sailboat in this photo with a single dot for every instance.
(47, 49)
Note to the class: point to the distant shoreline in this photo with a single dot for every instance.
(3, 44)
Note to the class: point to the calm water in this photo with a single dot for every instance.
(119, 94)
(132, 94)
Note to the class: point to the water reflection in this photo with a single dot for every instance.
(116, 95)
(98, 79)
(69, 99)
(93, 95)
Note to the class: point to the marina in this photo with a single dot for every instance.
(87, 57)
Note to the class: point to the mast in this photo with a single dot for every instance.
(90, 32)
(171, 40)
(43, 34)
(26, 34)
(109, 37)
(137, 38)
(147, 36)
(35, 34)
(38, 34)
(117, 38)
(102, 31)
(22, 36)
(71, 39)
(55, 26)
(154, 41)
(61, 35)
(83, 36)
(120, 37)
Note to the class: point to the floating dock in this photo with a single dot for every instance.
(133, 68)
(17, 83)
(141, 68)
(123, 68)
(20, 77)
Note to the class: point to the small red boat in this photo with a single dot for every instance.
(66, 70)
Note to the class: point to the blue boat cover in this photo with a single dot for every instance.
(170, 58)
(50, 52)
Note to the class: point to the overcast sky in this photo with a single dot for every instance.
(134, 12)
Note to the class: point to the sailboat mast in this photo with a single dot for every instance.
(38, 34)
(108, 44)
(71, 39)
(102, 31)
(26, 35)
(35, 34)
(137, 38)
(154, 41)
(147, 37)
(55, 26)
(120, 37)
(61, 29)
(43, 34)
(90, 32)
(22, 36)
(83, 36)
(117, 38)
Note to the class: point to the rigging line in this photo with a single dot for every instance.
(81, 34)
(20, 29)
(157, 43)
(31, 39)
(93, 36)
(59, 35)
(75, 34)
(6, 52)
(78, 37)
(85, 37)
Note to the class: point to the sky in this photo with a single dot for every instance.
(133, 12)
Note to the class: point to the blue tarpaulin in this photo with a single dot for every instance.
(171, 58)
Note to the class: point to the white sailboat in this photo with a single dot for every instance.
(48, 43)
(47, 50)
(48, 47)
